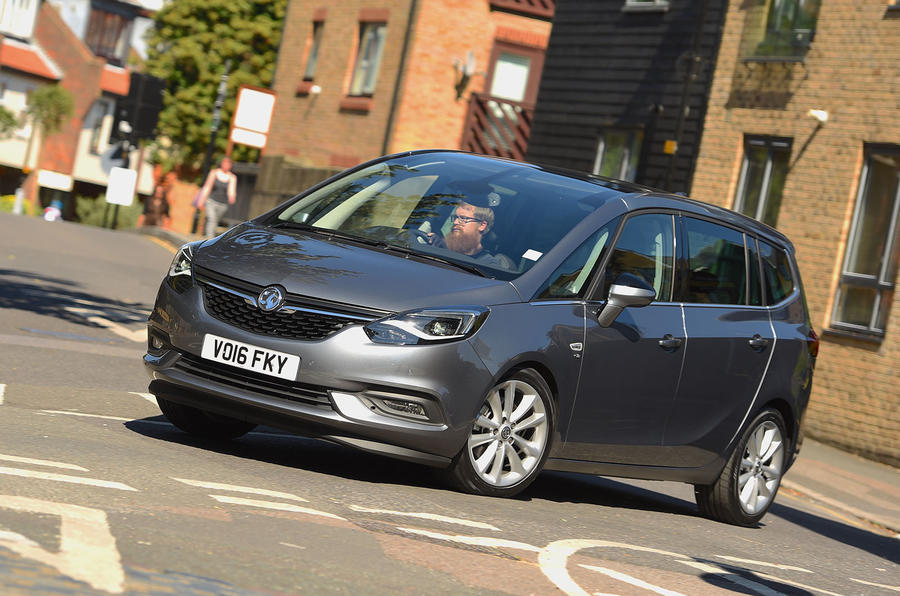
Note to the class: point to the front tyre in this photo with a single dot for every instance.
(205, 425)
(747, 485)
(510, 438)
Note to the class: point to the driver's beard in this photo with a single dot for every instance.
(467, 244)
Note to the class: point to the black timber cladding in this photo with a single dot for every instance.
(606, 67)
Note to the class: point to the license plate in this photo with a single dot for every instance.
(250, 357)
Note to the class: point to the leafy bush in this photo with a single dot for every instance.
(91, 211)
(7, 202)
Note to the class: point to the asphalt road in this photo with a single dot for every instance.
(98, 493)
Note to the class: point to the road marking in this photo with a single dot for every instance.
(87, 549)
(886, 587)
(764, 564)
(148, 396)
(553, 560)
(754, 587)
(727, 572)
(163, 243)
(473, 540)
(2, 391)
(83, 415)
(431, 516)
(622, 577)
(41, 462)
(65, 478)
(292, 545)
(93, 316)
(241, 489)
(274, 505)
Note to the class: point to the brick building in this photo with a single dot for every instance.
(356, 79)
(803, 132)
(81, 45)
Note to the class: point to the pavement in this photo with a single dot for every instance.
(860, 491)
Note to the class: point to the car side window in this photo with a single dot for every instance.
(779, 279)
(645, 248)
(570, 278)
(754, 298)
(717, 269)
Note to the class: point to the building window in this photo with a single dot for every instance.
(99, 111)
(368, 59)
(618, 151)
(107, 35)
(867, 286)
(646, 6)
(781, 28)
(17, 17)
(315, 41)
(762, 178)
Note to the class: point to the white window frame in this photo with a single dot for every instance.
(772, 146)
(881, 283)
(624, 173)
(17, 17)
(366, 67)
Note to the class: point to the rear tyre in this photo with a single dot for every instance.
(509, 440)
(204, 425)
(747, 485)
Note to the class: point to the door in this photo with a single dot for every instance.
(629, 378)
(731, 341)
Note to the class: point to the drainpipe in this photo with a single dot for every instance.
(401, 75)
(690, 75)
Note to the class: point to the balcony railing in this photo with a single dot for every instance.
(543, 9)
(497, 126)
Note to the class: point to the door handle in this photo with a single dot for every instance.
(758, 343)
(669, 343)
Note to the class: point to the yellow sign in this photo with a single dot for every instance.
(670, 147)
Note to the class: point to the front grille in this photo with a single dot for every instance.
(311, 395)
(300, 318)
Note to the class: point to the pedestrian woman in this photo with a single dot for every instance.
(219, 191)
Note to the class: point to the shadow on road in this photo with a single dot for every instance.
(270, 446)
(58, 298)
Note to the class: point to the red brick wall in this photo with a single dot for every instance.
(851, 71)
(81, 76)
(430, 116)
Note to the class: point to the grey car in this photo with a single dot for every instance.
(493, 319)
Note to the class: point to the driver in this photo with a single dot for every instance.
(470, 223)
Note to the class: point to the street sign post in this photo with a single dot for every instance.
(252, 117)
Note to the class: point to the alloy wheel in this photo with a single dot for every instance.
(761, 467)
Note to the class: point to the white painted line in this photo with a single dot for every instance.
(622, 577)
(41, 462)
(64, 478)
(93, 316)
(873, 584)
(2, 391)
(274, 505)
(726, 573)
(292, 545)
(764, 564)
(431, 516)
(473, 540)
(87, 549)
(754, 587)
(241, 489)
(148, 396)
(83, 415)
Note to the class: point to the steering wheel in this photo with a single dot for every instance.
(415, 235)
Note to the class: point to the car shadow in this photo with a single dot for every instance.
(315, 455)
(58, 298)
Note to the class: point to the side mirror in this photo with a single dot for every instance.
(628, 290)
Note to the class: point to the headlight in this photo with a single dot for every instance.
(180, 269)
(430, 325)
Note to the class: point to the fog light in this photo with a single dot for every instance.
(156, 342)
(405, 407)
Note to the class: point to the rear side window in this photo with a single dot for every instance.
(717, 269)
(777, 273)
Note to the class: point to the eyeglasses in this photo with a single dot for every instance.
(464, 220)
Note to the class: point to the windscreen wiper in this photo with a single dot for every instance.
(422, 255)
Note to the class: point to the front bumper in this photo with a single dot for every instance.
(341, 387)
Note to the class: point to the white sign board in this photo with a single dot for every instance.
(54, 180)
(120, 190)
(252, 117)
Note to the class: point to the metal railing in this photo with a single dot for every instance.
(496, 126)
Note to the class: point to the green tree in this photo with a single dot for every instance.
(8, 123)
(188, 47)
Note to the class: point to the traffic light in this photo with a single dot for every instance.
(140, 109)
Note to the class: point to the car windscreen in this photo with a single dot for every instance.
(499, 217)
